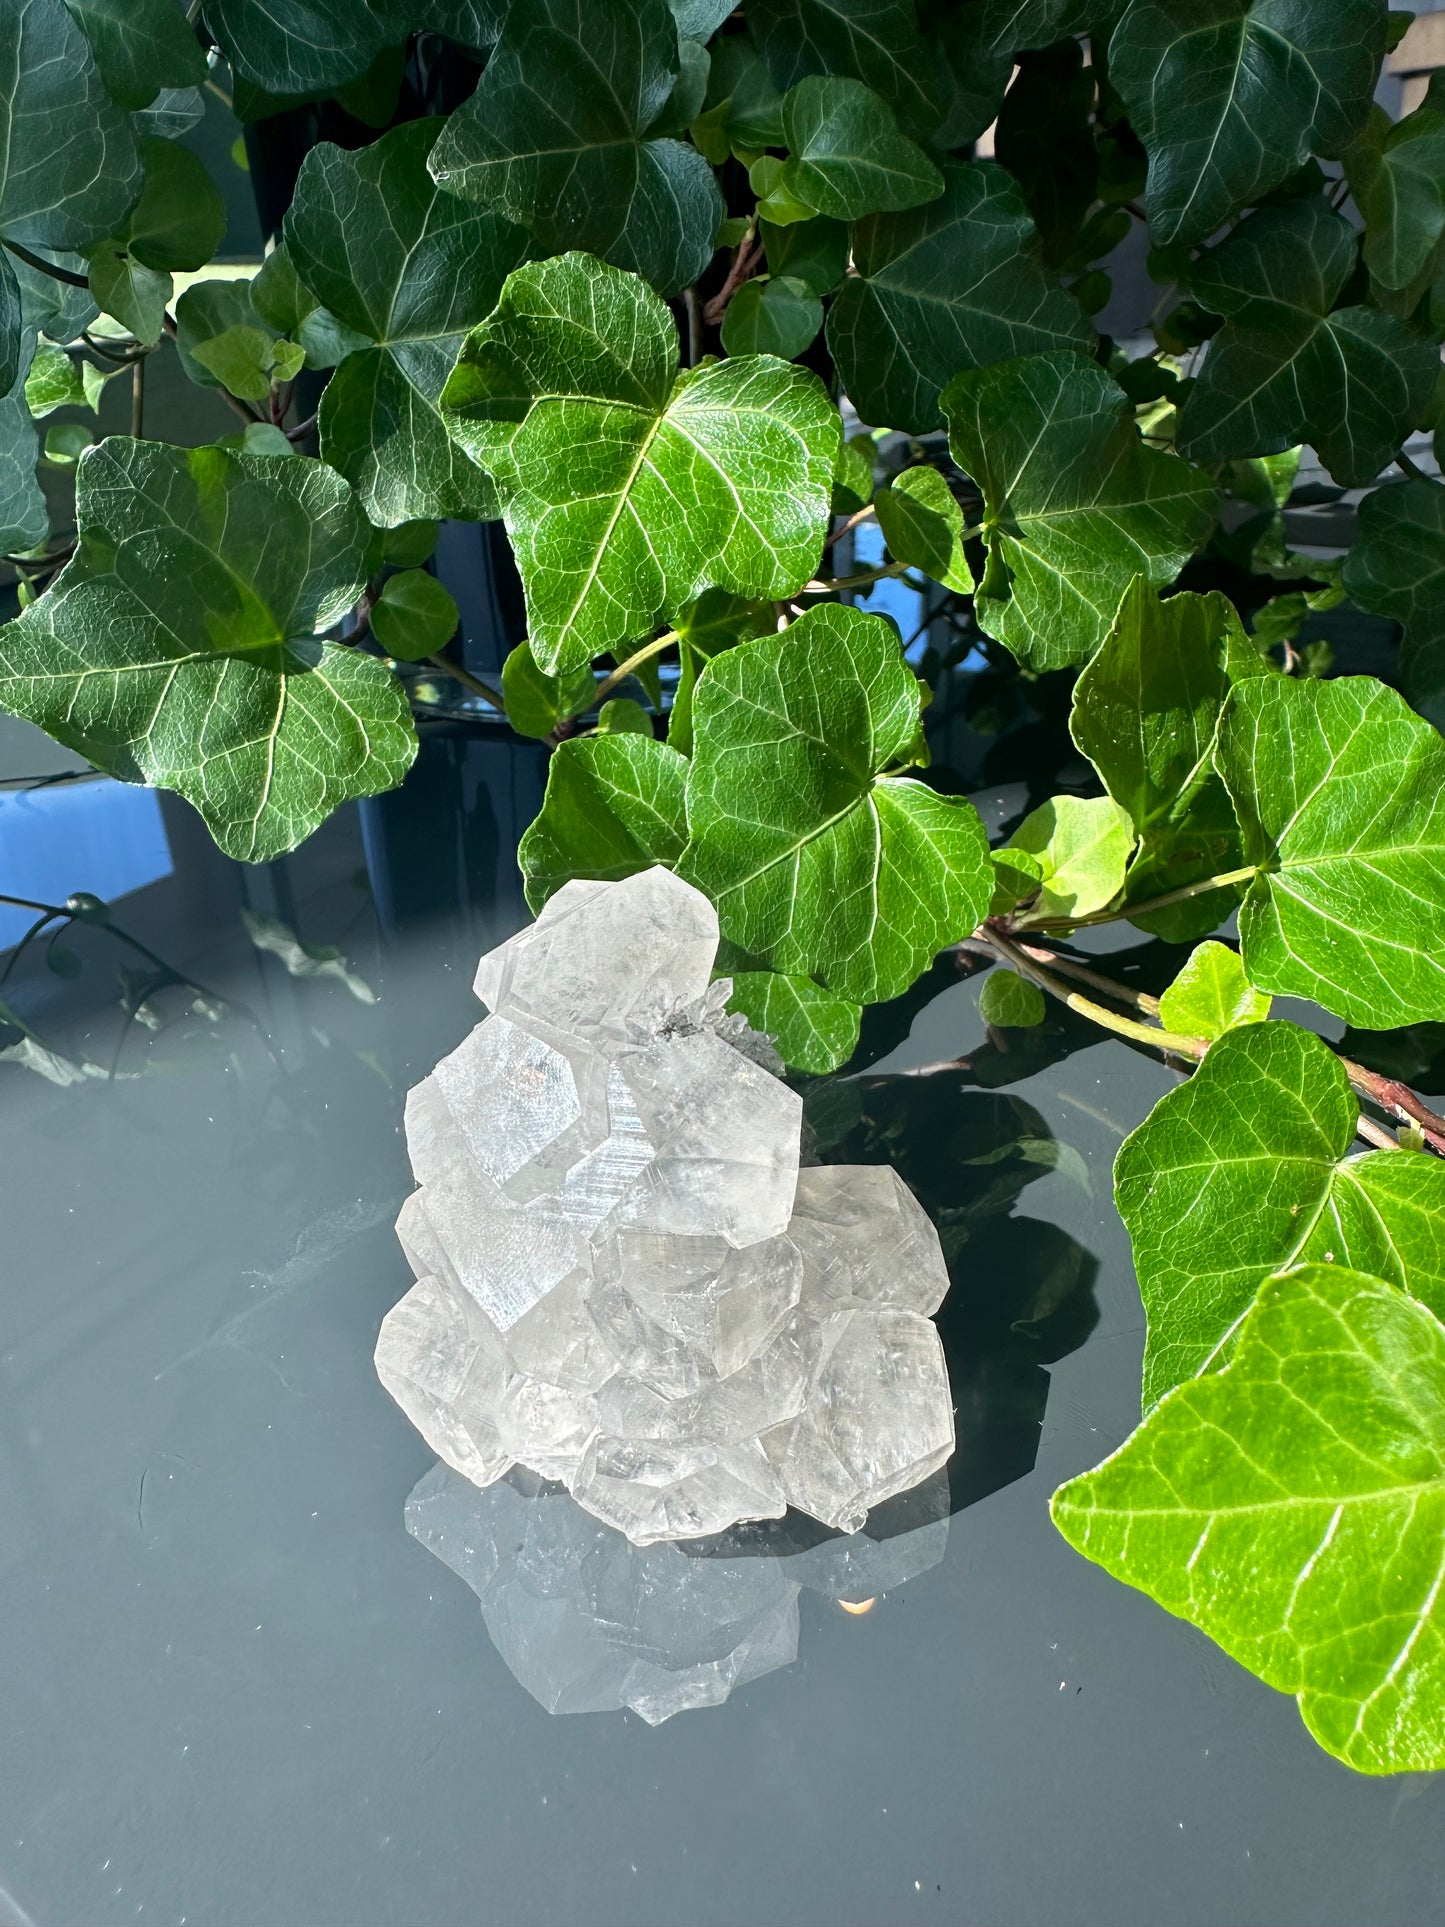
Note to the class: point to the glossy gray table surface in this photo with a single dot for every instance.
(237, 1691)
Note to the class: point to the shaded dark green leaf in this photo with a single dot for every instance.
(1075, 504)
(614, 805)
(957, 284)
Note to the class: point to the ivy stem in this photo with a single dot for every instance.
(694, 326)
(1136, 910)
(1411, 468)
(138, 397)
(1397, 1100)
(847, 528)
(860, 581)
(625, 669)
(743, 263)
(1026, 966)
(469, 681)
(51, 268)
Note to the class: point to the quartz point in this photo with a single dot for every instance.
(625, 1284)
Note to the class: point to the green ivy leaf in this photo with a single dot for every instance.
(140, 47)
(614, 806)
(1396, 171)
(23, 519)
(813, 1029)
(742, 102)
(716, 621)
(1397, 568)
(773, 315)
(179, 644)
(776, 206)
(69, 165)
(813, 252)
(179, 219)
(1211, 995)
(555, 138)
(1024, 26)
(700, 19)
(623, 716)
(1284, 369)
(300, 48)
(54, 380)
(1016, 878)
(414, 616)
(1075, 504)
(1293, 1509)
(537, 702)
(133, 295)
(628, 488)
(241, 359)
(1230, 97)
(876, 41)
(1146, 714)
(1245, 1170)
(853, 477)
(956, 284)
(923, 526)
(410, 269)
(1009, 1001)
(973, 75)
(281, 304)
(819, 862)
(846, 157)
(1083, 846)
(1340, 791)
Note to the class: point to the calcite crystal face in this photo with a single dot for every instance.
(625, 1283)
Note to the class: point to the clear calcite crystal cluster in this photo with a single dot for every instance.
(625, 1283)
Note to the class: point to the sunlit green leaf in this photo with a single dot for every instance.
(179, 645)
(846, 157)
(1293, 1508)
(1246, 1170)
(820, 863)
(411, 269)
(815, 1030)
(614, 805)
(1146, 714)
(923, 526)
(54, 381)
(1075, 504)
(629, 488)
(556, 138)
(1211, 995)
(1230, 96)
(1284, 368)
(1340, 790)
(958, 283)
(1397, 568)
(1010, 1001)
(1083, 848)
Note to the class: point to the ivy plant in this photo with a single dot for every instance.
(699, 300)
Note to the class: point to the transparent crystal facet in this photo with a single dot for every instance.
(624, 1281)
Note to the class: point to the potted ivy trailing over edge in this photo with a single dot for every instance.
(596, 347)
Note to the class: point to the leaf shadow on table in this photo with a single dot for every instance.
(1022, 1292)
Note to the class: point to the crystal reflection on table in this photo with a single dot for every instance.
(590, 1623)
